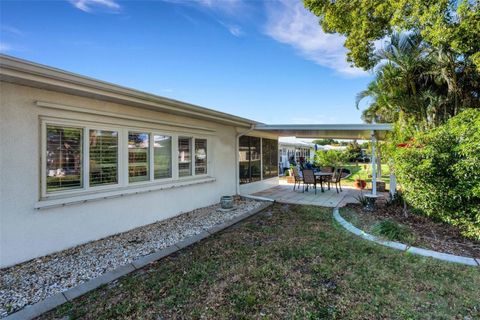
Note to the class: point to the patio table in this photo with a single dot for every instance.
(321, 176)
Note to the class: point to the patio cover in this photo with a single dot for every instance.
(334, 131)
(371, 132)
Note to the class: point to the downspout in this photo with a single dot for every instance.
(237, 160)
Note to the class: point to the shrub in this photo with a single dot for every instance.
(330, 158)
(439, 172)
(393, 231)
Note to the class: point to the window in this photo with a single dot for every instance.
(269, 158)
(162, 156)
(78, 157)
(200, 156)
(64, 158)
(138, 156)
(184, 157)
(249, 157)
(103, 157)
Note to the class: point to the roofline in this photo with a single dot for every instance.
(32, 74)
(346, 127)
(336, 131)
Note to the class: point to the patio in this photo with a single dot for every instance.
(284, 193)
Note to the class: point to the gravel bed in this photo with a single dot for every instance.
(37, 279)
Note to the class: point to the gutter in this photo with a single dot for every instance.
(237, 160)
(23, 72)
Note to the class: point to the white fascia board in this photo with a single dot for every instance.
(335, 127)
(36, 75)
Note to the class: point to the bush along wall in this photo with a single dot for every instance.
(440, 172)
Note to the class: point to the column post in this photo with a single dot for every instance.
(374, 163)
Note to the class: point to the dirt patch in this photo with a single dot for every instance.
(427, 233)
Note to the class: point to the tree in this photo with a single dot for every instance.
(454, 25)
(353, 151)
(419, 85)
(324, 142)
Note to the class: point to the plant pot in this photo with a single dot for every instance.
(360, 184)
(290, 179)
(226, 202)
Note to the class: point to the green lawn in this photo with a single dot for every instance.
(364, 171)
(288, 262)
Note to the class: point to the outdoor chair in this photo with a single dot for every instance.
(336, 179)
(298, 178)
(327, 169)
(309, 179)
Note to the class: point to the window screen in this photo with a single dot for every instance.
(162, 156)
(64, 158)
(138, 156)
(200, 156)
(184, 157)
(103, 157)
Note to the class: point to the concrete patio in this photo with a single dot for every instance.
(330, 198)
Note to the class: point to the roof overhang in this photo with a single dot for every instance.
(35, 75)
(334, 131)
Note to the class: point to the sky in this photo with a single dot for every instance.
(268, 61)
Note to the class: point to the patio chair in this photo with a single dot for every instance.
(327, 169)
(336, 179)
(298, 178)
(309, 179)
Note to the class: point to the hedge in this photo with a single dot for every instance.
(439, 172)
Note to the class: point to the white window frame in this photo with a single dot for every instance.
(123, 179)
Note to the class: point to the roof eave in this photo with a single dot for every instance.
(24, 72)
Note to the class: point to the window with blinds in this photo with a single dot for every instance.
(184, 157)
(111, 154)
(162, 156)
(63, 158)
(200, 156)
(103, 157)
(138, 156)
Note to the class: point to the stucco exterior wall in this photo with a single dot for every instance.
(26, 232)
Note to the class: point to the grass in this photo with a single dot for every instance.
(288, 262)
(363, 171)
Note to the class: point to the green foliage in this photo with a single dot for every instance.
(393, 231)
(419, 85)
(362, 200)
(330, 158)
(323, 142)
(440, 172)
(442, 23)
(354, 151)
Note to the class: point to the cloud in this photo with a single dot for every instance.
(226, 6)
(5, 47)
(86, 5)
(234, 29)
(11, 30)
(290, 23)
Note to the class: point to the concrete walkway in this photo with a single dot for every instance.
(330, 198)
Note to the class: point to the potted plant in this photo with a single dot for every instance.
(359, 182)
(289, 175)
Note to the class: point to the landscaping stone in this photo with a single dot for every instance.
(36, 280)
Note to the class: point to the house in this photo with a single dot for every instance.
(294, 150)
(82, 159)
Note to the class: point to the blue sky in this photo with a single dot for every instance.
(268, 61)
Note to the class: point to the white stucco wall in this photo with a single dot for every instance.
(26, 233)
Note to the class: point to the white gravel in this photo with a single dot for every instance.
(37, 279)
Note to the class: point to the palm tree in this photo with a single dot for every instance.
(419, 84)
